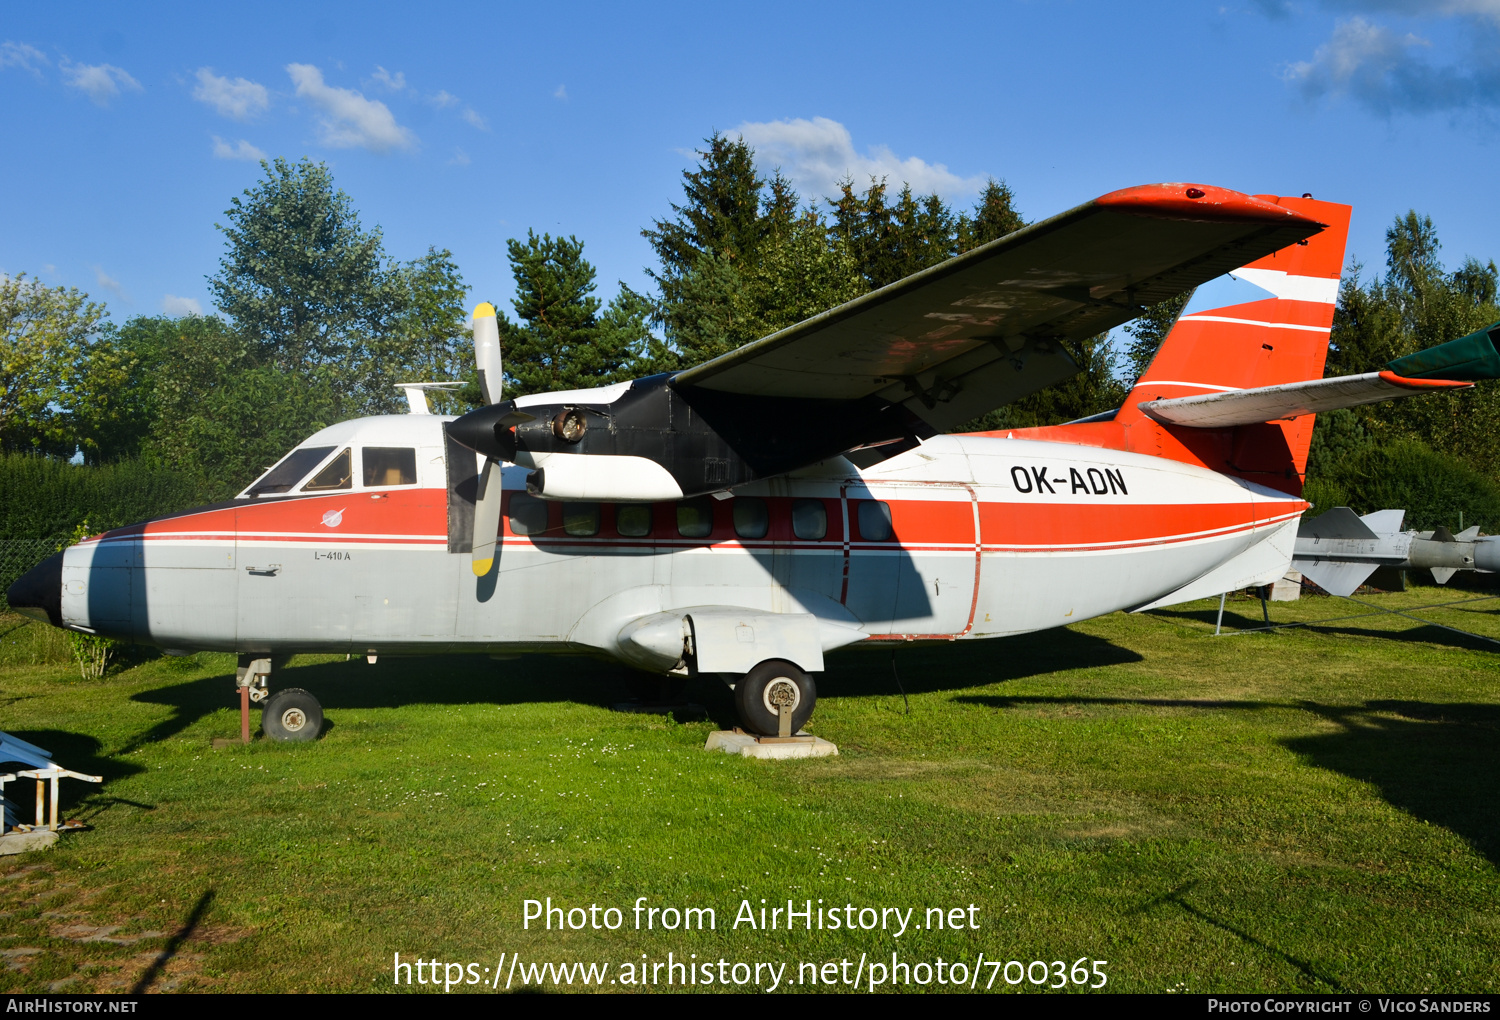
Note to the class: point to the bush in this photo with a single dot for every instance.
(1435, 489)
(46, 498)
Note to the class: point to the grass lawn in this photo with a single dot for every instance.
(1316, 809)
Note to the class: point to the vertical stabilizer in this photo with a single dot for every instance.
(1262, 343)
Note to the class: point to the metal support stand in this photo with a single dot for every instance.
(46, 779)
(244, 715)
(1265, 609)
(1219, 623)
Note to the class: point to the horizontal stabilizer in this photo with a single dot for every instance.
(1335, 578)
(1340, 522)
(1469, 357)
(1289, 400)
(1467, 535)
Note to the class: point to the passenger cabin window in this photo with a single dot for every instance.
(290, 470)
(389, 465)
(581, 519)
(528, 515)
(335, 476)
(809, 519)
(874, 520)
(751, 517)
(695, 517)
(633, 520)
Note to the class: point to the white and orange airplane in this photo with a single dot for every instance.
(796, 496)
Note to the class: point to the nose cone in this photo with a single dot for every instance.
(487, 430)
(38, 592)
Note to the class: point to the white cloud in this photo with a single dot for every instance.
(1388, 71)
(349, 119)
(239, 99)
(109, 283)
(816, 154)
(475, 119)
(179, 306)
(102, 82)
(460, 158)
(395, 82)
(1422, 8)
(561, 93)
(443, 100)
(27, 58)
(244, 150)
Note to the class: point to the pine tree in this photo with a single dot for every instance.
(1415, 306)
(994, 216)
(562, 341)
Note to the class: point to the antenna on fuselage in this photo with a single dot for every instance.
(416, 394)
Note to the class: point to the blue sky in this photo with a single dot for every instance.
(129, 128)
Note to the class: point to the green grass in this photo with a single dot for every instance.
(1311, 810)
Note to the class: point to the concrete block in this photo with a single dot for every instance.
(744, 744)
(21, 842)
(1288, 588)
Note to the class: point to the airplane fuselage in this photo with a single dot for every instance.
(963, 537)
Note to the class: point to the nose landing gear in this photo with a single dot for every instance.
(292, 714)
(289, 715)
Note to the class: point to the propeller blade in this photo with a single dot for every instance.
(486, 518)
(487, 351)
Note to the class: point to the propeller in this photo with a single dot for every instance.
(487, 499)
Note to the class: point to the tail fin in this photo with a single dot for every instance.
(1263, 343)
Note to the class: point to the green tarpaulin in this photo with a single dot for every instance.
(1467, 358)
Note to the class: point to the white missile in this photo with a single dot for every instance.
(1339, 550)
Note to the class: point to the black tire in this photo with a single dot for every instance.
(292, 715)
(753, 695)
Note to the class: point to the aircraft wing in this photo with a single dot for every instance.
(983, 329)
(1289, 400)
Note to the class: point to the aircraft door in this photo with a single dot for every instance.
(913, 565)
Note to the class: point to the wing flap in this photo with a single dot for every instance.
(958, 327)
(1289, 400)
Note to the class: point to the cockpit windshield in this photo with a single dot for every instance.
(335, 476)
(290, 470)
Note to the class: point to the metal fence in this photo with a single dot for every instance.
(18, 555)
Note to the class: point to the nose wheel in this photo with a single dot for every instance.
(292, 715)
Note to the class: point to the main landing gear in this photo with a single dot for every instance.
(290, 715)
(775, 699)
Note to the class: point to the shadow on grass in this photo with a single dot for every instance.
(1250, 620)
(1176, 898)
(159, 962)
(476, 679)
(80, 753)
(951, 665)
(1437, 762)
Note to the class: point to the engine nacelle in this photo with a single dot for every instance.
(601, 477)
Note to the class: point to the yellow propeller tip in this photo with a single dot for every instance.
(484, 310)
(482, 567)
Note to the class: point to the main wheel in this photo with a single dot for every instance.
(292, 714)
(760, 693)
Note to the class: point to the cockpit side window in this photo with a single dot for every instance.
(389, 465)
(289, 471)
(335, 476)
